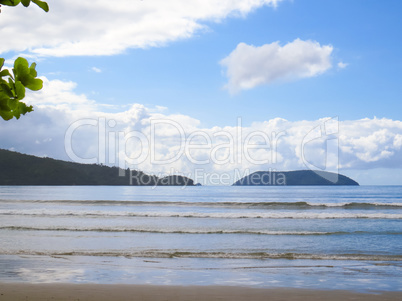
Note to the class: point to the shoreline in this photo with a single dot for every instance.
(101, 292)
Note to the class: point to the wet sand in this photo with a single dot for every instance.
(101, 292)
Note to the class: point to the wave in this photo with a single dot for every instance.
(220, 215)
(191, 231)
(240, 205)
(223, 255)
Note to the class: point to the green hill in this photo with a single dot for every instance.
(297, 177)
(21, 169)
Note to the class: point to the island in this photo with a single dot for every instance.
(294, 178)
(22, 169)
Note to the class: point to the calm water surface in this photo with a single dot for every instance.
(309, 237)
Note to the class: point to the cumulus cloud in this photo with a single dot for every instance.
(69, 126)
(101, 27)
(97, 70)
(249, 66)
(60, 95)
(342, 65)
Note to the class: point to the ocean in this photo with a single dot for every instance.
(315, 237)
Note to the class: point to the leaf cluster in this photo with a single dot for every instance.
(12, 85)
(12, 88)
(43, 5)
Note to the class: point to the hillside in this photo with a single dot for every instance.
(21, 169)
(298, 177)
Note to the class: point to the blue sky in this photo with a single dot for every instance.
(348, 65)
(186, 77)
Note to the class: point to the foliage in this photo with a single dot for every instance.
(21, 169)
(43, 5)
(12, 90)
(12, 85)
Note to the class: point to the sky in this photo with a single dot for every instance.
(213, 89)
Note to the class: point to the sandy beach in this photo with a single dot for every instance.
(100, 292)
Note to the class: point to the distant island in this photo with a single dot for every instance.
(22, 169)
(294, 178)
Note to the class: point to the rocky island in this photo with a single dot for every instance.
(294, 178)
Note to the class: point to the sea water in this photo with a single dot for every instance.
(302, 237)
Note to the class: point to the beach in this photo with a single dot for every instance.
(238, 150)
(97, 292)
(200, 242)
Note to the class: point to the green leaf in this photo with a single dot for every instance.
(35, 84)
(32, 70)
(23, 108)
(5, 73)
(26, 2)
(4, 101)
(27, 75)
(10, 2)
(6, 89)
(6, 115)
(20, 90)
(12, 87)
(12, 104)
(43, 5)
(21, 67)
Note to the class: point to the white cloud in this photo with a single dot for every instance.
(249, 66)
(95, 69)
(60, 95)
(101, 27)
(372, 142)
(277, 143)
(342, 65)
